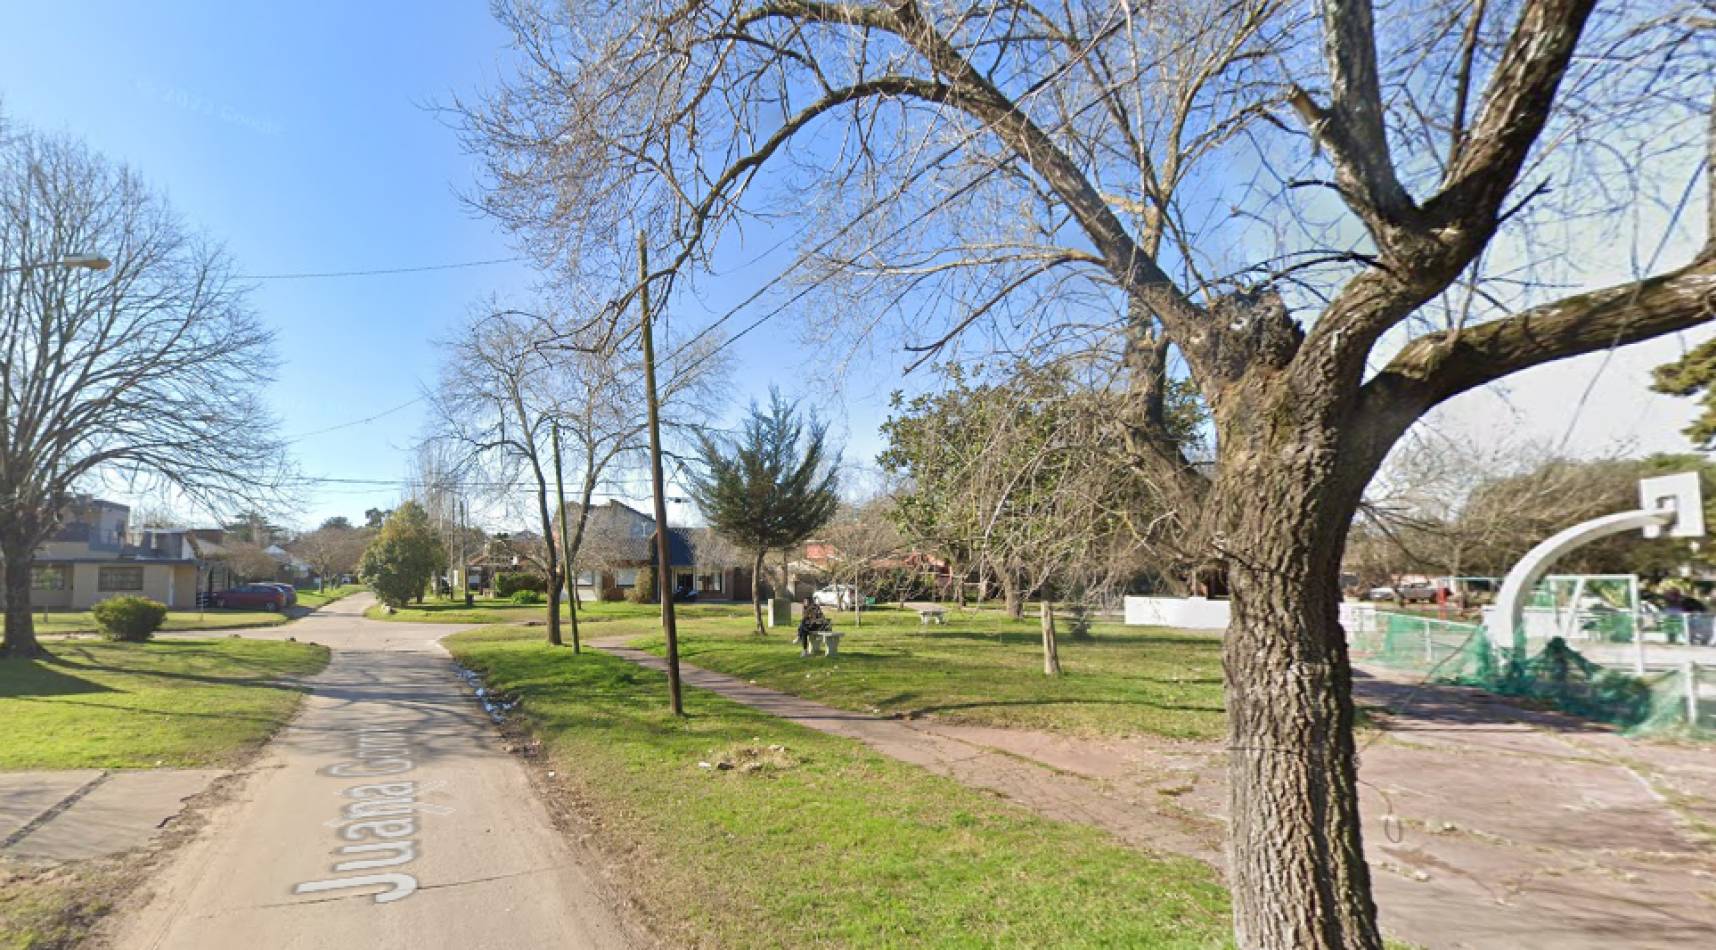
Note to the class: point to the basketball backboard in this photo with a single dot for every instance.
(1683, 494)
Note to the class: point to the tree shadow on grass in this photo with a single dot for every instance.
(252, 675)
(40, 677)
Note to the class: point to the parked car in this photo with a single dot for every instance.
(287, 589)
(266, 596)
(838, 596)
(1406, 593)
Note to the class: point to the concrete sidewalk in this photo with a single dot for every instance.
(89, 813)
(386, 815)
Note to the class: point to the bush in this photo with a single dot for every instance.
(129, 619)
(613, 595)
(643, 592)
(507, 585)
(526, 598)
(1080, 616)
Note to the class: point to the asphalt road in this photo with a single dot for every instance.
(385, 816)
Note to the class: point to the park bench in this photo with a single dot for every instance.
(830, 640)
(929, 612)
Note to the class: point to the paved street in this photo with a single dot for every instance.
(385, 816)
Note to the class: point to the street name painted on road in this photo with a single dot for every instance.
(382, 816)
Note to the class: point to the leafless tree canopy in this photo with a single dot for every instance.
(517, 386)
(145, 374)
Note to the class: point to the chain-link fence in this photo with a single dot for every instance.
(1673, 693)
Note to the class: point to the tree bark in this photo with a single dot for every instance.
(757, 590)
(1012, 591)
(20, 637)
(1295, 850)
(1051, 649)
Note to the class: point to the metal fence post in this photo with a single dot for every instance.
(1691, 673)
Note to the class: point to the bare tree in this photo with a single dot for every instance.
(606, 434)
(141, 375)
(496, 401)
(333, 550)
(1330, 223)
(865, 549)
(515, 379)
(252, 562)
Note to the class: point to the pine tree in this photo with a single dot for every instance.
(1693, 375)
(771, 488)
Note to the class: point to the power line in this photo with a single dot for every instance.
(358, 422)
(375, 273)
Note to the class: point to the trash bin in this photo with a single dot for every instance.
(780, 612)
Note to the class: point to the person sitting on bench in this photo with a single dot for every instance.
(813, 622)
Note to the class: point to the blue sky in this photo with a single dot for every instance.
(302, 135)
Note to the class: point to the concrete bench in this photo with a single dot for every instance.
(830, 642)
(929, 612)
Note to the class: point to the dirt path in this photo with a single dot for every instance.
(1488, 827)
(385, 816)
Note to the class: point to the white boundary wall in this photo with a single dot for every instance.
(1187, 613)
(1198, 613)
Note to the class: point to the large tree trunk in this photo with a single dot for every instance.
(757, 591)
(20, 636)
(1282, 505)
(1012, 592)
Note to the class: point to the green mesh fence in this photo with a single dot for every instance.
(1678, 702)
(1423, 645)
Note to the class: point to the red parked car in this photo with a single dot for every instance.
(265, 596)
(287, 589)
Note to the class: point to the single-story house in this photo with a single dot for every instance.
(622, 540)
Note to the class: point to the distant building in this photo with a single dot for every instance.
(622, 540)
(95, 556)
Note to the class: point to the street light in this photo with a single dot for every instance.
(86, 261)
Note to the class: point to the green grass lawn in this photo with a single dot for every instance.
(312, 599)
(187, 703)
(501, 610)
(60, 623)
(825, 844)
(980, 669)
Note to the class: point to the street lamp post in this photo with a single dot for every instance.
(86, 261)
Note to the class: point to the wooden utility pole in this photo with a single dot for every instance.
(565, 540)
(464, 555)
(664, 561)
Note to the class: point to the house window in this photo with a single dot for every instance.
(682, 580)
(626, 577)
(709, 583)
(121, 578)
(47, 578)
(586, 578)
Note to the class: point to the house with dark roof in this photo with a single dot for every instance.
(619, 543)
